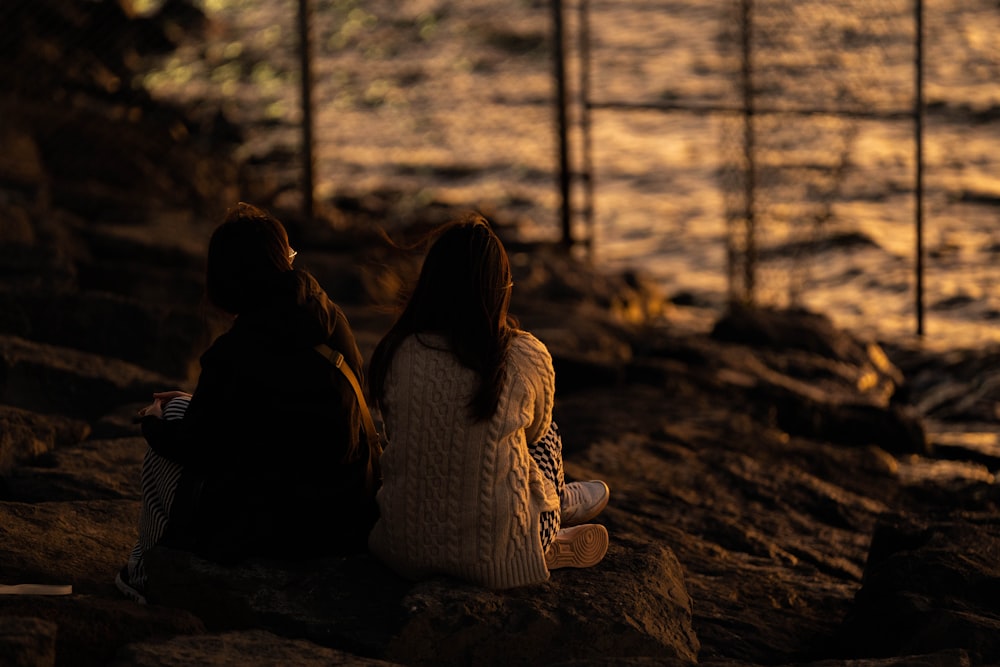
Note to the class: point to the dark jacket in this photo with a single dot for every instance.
(264, 440)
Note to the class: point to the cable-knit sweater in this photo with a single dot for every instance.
(460, 497)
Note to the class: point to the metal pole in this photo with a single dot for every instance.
(749, 148)
(587, 167)
(559, 57)
(305, 65)
(918, 114)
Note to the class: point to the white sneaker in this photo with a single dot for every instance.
(582, 501)
(126, 587)
(579, 546)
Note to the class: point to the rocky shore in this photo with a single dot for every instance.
(782, 491)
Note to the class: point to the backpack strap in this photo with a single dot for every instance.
(374, 443)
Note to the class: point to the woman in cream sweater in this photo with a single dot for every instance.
(472, 482)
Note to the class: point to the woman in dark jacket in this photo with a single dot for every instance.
(267, 457)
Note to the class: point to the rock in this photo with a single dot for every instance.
(633, 603)
(896, 429)
(90, 628)
(815, 381)
(20, 162)
(92, 470)
(790, 329)
(46, 378)
(946, 658)
(82, 543)
(27, 265)
(233, 649)
(961, 386)
(929, 585)
(551, 275)
(145, 333)
(349, 603)
(772, 530)
(25, 434)
(27, 642)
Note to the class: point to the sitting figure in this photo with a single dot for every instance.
(472, 473)
(267, 456)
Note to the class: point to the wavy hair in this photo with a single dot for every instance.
(462, 294)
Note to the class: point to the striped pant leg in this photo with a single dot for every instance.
(159, 484)
(547, 453)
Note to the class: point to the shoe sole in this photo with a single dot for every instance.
(129, 592)
(574, 520)
(584, 548)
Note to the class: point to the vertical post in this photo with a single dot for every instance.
(586, 152)
(305, 65)
(559, 58)
(918, 190)
(749, 151)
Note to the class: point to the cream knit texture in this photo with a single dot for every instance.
(460, 497)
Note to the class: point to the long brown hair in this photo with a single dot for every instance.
(462, 294)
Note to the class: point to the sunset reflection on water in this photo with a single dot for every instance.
(452, 104)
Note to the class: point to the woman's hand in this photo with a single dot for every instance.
(154, 409)
(160, 398)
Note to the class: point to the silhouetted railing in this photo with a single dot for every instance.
(761, 37)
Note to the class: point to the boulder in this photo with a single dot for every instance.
(74, 522)
(946, 658)
(25, 435)
(88, 628)
(633, 603)
(148, 334)
(82, 542)
(27, 642)
(930, 584)
(796, 328)
(794, 371)
(350, 603)
(91, 470)
(52, 379)
(233, 649)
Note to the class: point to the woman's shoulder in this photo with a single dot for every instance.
(525, 342)
(222, 345)
(525, 348)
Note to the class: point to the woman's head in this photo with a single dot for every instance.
(464, 284)
(246, 253)
(462, 294)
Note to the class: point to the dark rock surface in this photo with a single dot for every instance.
(355, 604)
(782, 491)
(929, 585)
